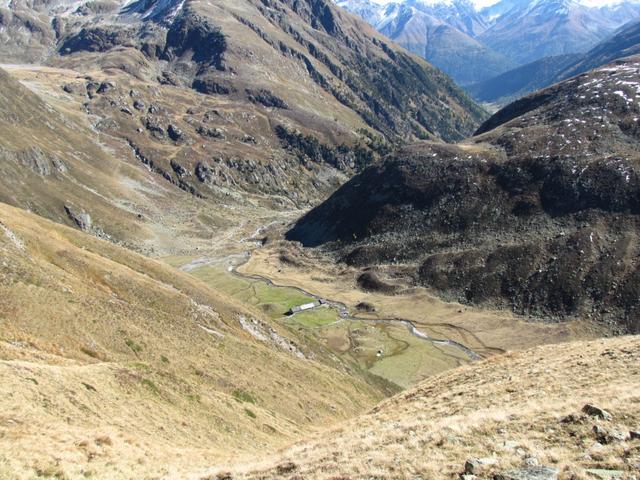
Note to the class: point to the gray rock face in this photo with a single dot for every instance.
(81, 219)
(529, 473)
(594, 411)
(176, 134)
(605, 436)
(35, 159)
(474, 466)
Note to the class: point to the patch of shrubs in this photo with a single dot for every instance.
(266, 98)
(309, 148)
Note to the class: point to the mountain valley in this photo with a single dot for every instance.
(259, 239)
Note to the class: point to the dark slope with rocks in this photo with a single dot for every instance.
(539, 212)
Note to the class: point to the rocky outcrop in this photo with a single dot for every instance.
(191, 33)
(266, 333)
(266, 98)
(176, 134)
(35, 159)
(211, 86)
(316, 12)
(96, 39)
(80, 218)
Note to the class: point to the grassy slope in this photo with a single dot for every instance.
(106, 371)
(511, 406)
(92, 175)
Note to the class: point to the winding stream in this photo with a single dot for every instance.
(235, 261)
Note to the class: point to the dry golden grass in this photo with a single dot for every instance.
(107, 372)
(512, 407)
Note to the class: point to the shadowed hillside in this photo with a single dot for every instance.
(537, 213)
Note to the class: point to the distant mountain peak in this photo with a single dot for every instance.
(474, 40)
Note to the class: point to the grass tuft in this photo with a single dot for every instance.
(135, 347)
(243, 396)
(151, 386)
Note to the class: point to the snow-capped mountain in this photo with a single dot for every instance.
(460, 14)
(474, 40)
(527, 31)
(443, 32)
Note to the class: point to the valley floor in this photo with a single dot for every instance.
(483, 332)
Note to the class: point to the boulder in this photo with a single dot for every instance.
(106, 87)
(287, 467)
(594, 411)
(176, 134)
(605, 436)
(529, 473)
(604, 474)
(476, 465)
(81, 219)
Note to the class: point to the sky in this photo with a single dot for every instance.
(486, 3)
